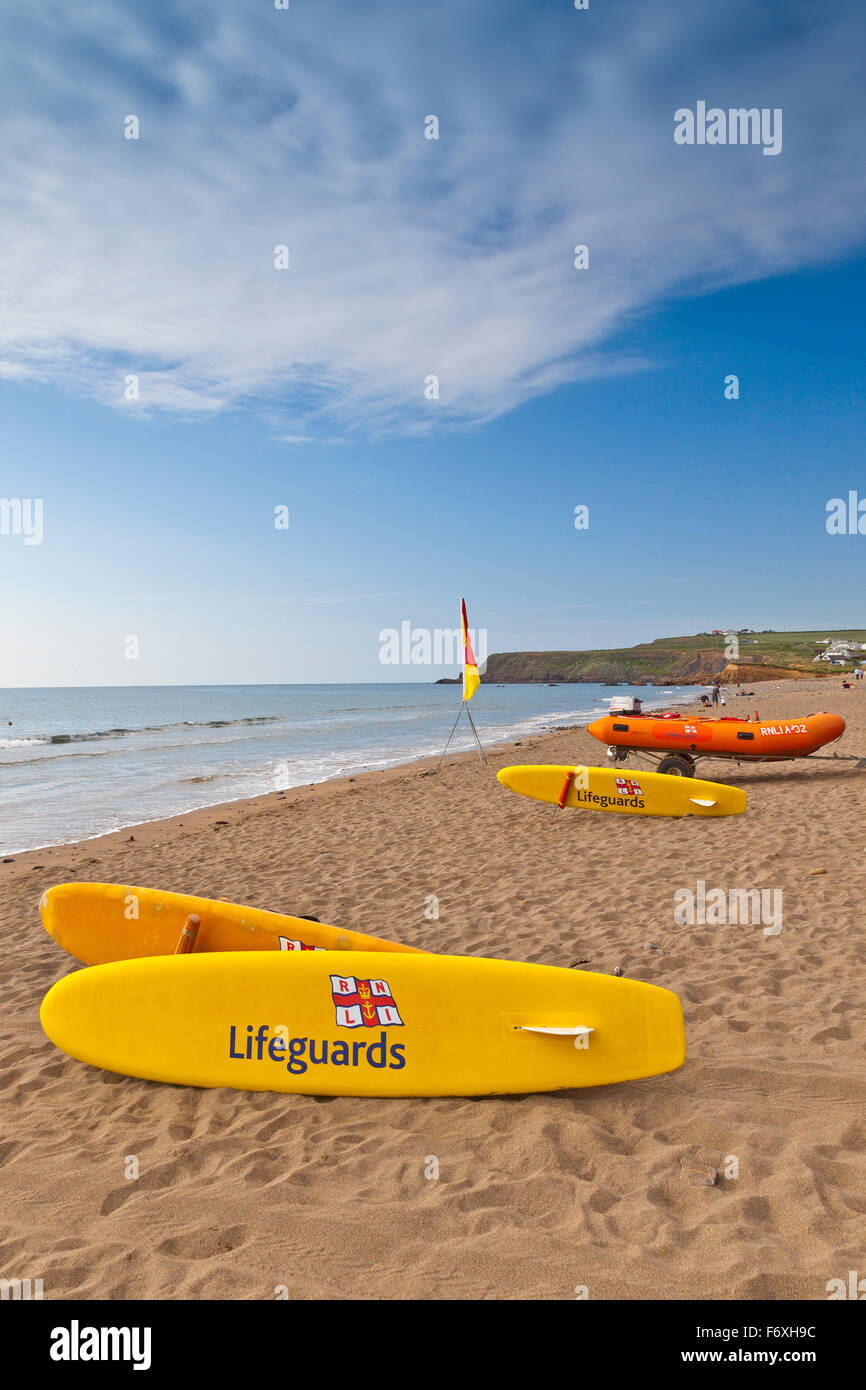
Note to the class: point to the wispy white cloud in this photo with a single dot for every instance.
(409, 257)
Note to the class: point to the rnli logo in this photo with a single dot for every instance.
(287, 943)
(364, 1003)
(626, 786)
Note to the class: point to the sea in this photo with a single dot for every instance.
(81, 762)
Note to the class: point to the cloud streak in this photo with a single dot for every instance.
(409, 257)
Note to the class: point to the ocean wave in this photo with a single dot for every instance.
(53, 757)
(97, 734)
(117, 751)
(178, 766)
(225, 776)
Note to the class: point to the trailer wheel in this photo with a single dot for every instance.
(677, 765)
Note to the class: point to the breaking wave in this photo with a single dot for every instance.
(98, 734)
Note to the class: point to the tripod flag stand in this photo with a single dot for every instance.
(471, 682)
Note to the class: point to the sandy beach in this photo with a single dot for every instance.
(740, 1176)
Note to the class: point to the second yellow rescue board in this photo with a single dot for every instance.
(103, 922)
(364, 1023)
(633, 794)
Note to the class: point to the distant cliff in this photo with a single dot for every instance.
(696, 660)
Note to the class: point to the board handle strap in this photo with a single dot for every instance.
(188, 934)
(566, 788)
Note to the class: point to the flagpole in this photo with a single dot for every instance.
(450, 736)
(471, 682)
(475, 732)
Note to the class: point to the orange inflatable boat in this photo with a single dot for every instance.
(682, 741)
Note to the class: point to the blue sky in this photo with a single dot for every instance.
(409, 257)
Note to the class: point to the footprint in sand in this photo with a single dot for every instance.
(116, 1198)
(7, 1150)
(204, 1243)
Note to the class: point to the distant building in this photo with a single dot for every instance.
(837, 651)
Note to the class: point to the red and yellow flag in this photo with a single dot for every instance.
(471, 678)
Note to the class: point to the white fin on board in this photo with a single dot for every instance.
(699, 801)
(558, 1032)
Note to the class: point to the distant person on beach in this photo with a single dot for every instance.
(715, 694)
(722, 701)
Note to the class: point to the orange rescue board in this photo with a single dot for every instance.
(726, 738)
(100, 923)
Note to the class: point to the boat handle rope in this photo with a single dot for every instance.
(566, 787)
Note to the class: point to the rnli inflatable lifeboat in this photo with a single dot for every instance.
(681, 741)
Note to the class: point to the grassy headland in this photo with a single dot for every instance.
(680, 660)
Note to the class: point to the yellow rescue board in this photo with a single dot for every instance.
(633, 794)
(102, 922)
(364, 1024)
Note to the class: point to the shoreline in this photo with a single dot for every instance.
(179, 817)
(214, 814)
(330, 788)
